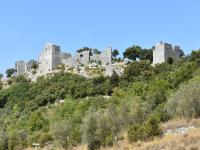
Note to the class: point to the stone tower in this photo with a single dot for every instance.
(49, 58)
(106, 59)
(164, 51)
(20, 67)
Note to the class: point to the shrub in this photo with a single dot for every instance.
(137, 71)
(156, 93)
(153, 126)
(182, 74)
(22, 137)
(137, 132)
(12, 140)
(9, 81)
(3, 140)
(61, 133)
(186, 101)
(149, 129)
(89, 128)
(1, 85)
(194, 56)
(38, 122)
(101, 128)
(44, 138)
(161, 113)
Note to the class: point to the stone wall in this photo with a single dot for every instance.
(71, 62)
(106, 59)
(159, 54)
(83, 57)
(45, 59)
(95, 57)
(64, 57)
(51, 57)
(20, 67)
(29, 65)
(164, 51)
(56, 59)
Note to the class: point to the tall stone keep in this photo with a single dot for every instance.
(20, 67)
(106, 59)
(49, 58)
(164, 51)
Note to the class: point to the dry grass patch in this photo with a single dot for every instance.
(180, 122)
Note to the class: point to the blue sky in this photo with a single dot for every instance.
(26, 25)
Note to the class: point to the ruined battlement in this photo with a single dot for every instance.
(52, 56)
(165, 52)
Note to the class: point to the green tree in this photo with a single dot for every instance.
(102, 128)
(114, 80)
(195, 56)
(146, 54)
(84, 49)
(137, 71)
(96, 51)
(163, 70)
(10, 72)
(115, 53)
(132, 52)
(157, 92)
(182, 74)
(186, 101)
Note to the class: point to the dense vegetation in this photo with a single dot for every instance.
(98, 111)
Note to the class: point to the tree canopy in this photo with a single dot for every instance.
(10, 72)
(115, 53)
(132, 52)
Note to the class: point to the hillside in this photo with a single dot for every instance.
(188, 140)
(67, 110)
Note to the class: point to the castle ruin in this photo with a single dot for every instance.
(165, 52)
(52, 56)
